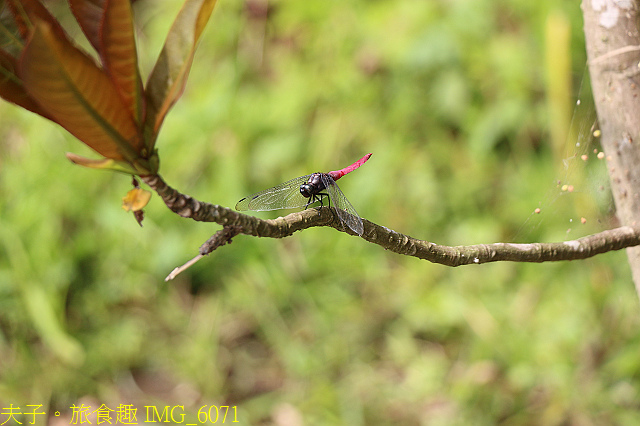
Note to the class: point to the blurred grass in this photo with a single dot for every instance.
(453, 100)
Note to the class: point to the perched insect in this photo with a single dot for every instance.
(306, 190)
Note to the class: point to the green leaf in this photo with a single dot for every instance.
(79, 95)
(48, 325)
(169, 76)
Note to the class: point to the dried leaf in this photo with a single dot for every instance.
(102, 164)
(136, 199)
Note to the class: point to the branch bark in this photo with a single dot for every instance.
(613, 51)
(582, 248)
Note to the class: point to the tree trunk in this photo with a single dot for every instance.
(613, 49)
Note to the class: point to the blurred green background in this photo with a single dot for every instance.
(466, 106)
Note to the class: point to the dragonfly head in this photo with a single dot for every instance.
(306, 190)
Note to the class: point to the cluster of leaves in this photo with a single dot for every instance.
(103, 104)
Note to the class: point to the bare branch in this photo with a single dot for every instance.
(218, 239)
(178, 270)
(237, 223)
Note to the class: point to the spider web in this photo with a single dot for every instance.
(579, 200)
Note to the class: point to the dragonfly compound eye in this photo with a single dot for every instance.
(305, 190)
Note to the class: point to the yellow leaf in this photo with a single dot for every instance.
(105, 164)
(136, 199)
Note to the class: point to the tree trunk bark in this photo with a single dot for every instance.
(613, 51)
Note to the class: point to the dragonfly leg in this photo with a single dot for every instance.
(318, 197)
(321, 198)
(312, 200)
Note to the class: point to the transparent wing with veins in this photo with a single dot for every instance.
(287, 196)
(284, 196)
(346, 212)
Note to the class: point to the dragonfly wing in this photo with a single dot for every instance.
(284, 196)
(345, 210)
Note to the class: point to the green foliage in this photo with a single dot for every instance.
(451, 99)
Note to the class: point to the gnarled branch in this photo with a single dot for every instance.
(582, 248)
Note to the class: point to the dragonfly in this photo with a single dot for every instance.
(306, 190)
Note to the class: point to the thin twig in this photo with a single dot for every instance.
(182, 268)
(218, 239)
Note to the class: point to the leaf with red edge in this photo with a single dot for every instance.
(169, 76)
(109, 27)
(70, 86)
(11, 88)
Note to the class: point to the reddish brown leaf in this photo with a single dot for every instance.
(11, 88)
(89, 14)
(79, 95)
(108, 24)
